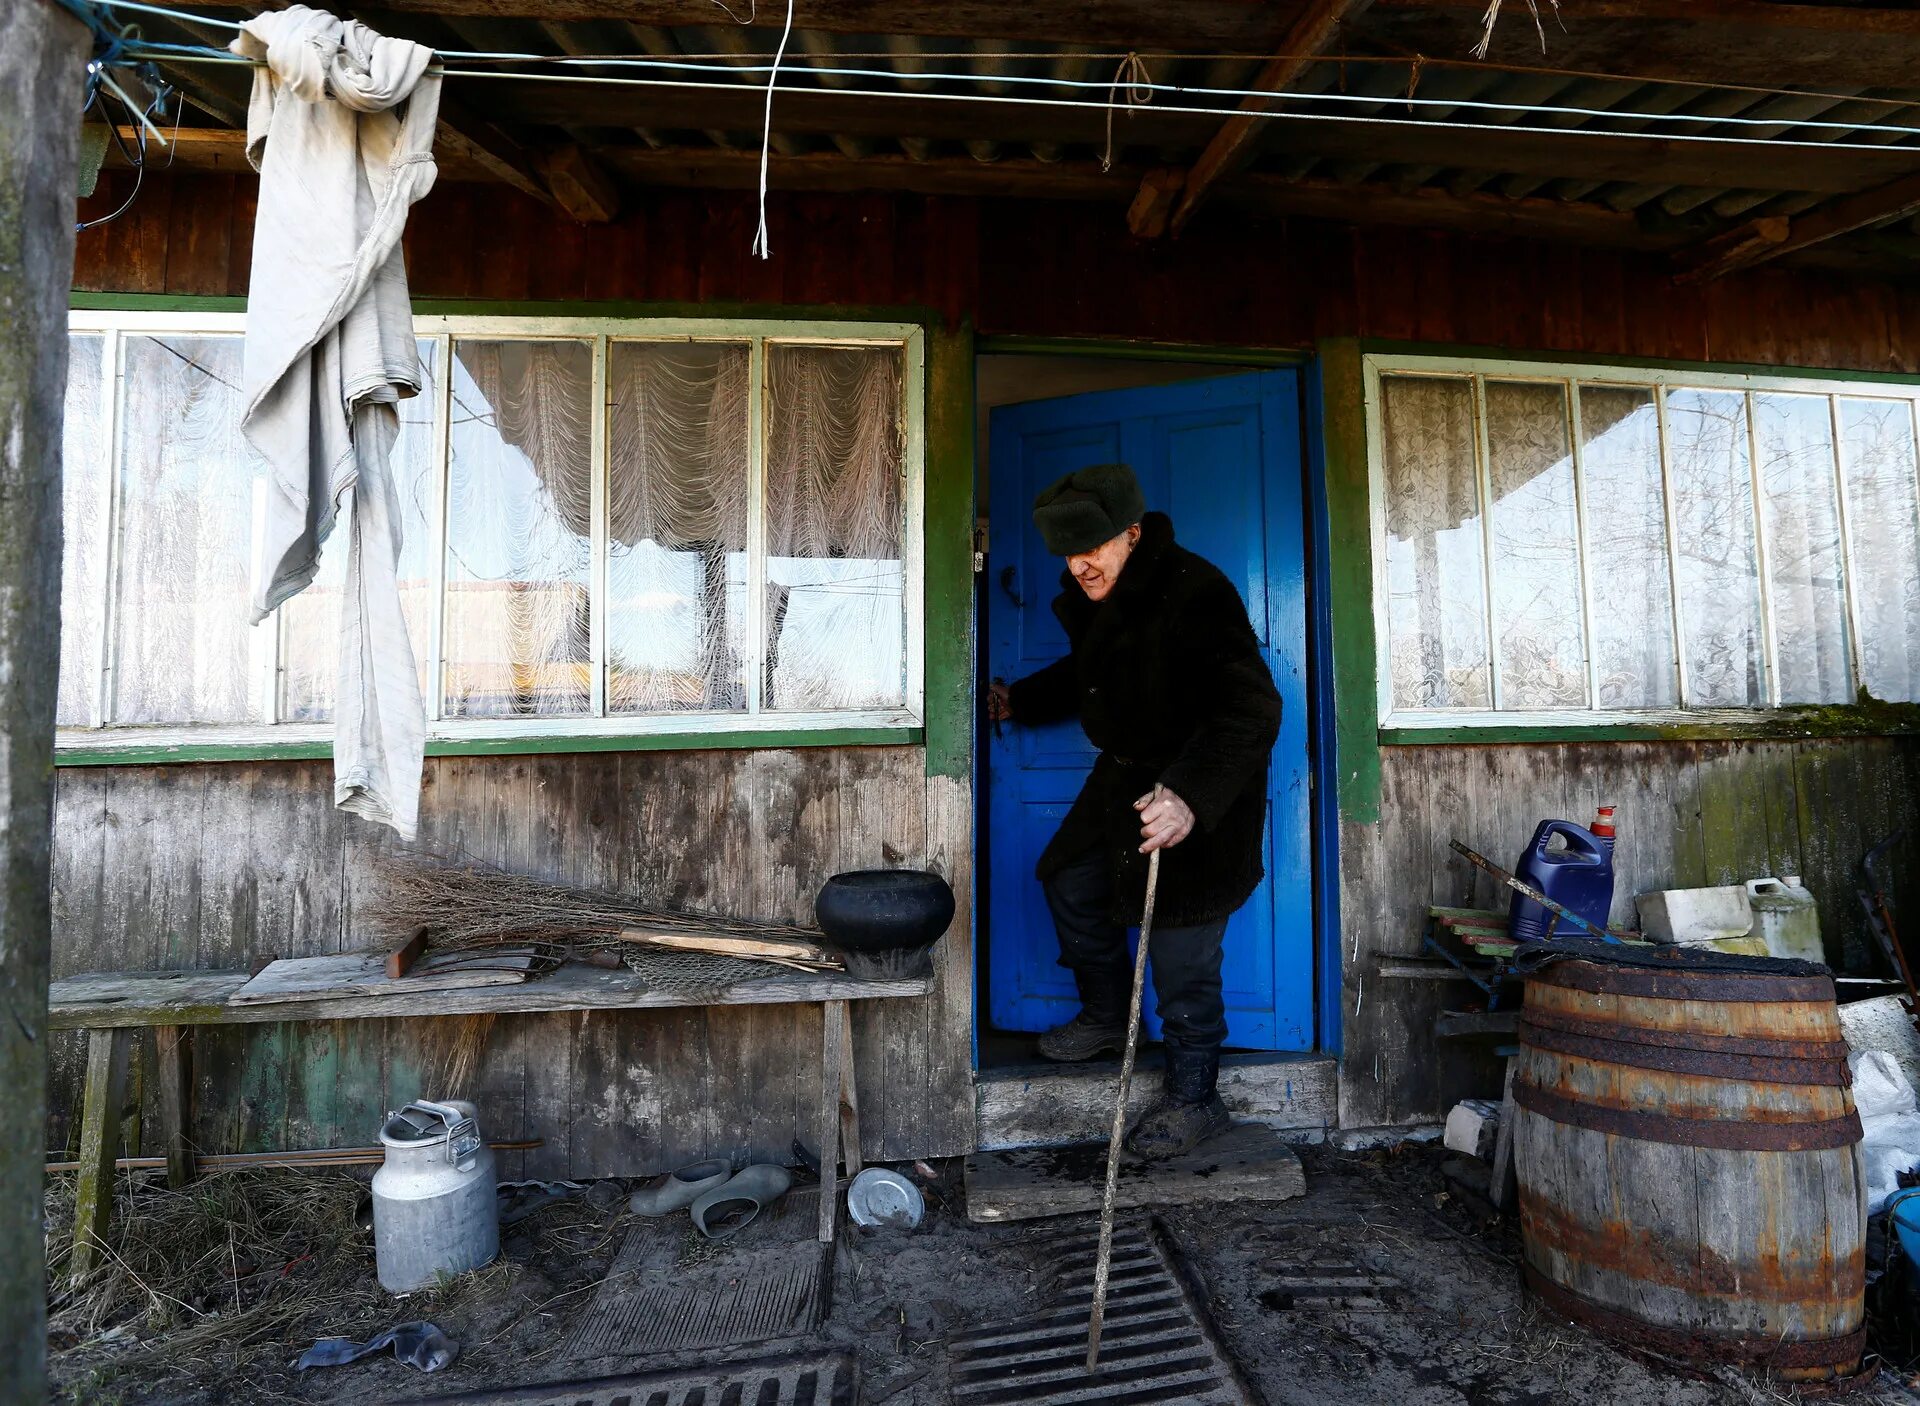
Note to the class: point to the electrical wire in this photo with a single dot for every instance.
(184, 53)
(1414, 61)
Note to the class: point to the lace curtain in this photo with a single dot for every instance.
(835, 576)
(677, 514)
(186, 536)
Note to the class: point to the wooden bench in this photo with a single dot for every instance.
(112, 1006)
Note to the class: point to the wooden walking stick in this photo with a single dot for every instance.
(1103, 1260)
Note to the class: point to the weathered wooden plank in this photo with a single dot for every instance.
(1053, 1105)
(172, 1047)
(1247, 1163)
(308, 979)
(107, 1052)
(833, 1038)
(123, 999)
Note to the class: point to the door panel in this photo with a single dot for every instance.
(1222, 458)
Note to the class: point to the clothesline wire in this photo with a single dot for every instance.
(1415, 61)
(1209, 110)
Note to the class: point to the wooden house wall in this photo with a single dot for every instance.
(214, 865)
(1693, 811)
(1056, 269)
(1690, 814)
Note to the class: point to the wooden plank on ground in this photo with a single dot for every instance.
(1050, 1105)
(1247, 1163)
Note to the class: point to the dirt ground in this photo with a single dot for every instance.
(208, 1302)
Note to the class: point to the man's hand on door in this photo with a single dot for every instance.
(1165, 819)
(999, 703)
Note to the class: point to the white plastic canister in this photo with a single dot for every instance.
(1786, 917)
(435, 1210)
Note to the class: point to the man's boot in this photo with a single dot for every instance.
(1099, 1028)
(1189, 1111)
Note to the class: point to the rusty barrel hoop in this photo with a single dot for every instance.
(1688, 1156)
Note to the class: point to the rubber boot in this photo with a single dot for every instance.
(1099, 1028)
(1189, 1110)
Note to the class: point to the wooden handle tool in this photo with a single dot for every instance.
(1104, 1260)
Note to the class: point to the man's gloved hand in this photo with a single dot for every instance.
(1165, 819)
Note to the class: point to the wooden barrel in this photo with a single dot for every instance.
(1688, 1157)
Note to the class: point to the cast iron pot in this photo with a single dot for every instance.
(884, 920)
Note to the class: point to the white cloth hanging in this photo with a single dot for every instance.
(329, 354)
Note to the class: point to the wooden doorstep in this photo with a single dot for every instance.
(1044, 1105)
(116, 1000)
(1246, 1163)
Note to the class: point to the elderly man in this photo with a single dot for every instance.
(1165, 675)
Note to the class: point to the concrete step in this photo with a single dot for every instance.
(1053, 1105)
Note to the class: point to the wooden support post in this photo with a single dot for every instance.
(833, 1021)
(106, 1087)
(1502, 1184)
(849, 1096)
(133, 1102)
(43, 52)
(173, 1063)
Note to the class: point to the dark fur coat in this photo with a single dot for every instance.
(1166, 677)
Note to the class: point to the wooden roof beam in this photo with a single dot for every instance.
(1770, 237)
(1206, 26)
(1711, 42)
(1159, 208)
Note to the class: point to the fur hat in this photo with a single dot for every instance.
(1087, 507)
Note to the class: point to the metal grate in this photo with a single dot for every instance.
(1154, 1346)
(780, 1381)
(747, 1294)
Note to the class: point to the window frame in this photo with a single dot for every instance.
(1452, 723)
(692, 729)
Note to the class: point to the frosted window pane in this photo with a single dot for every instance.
(1627, 548)
(1536, 548)
(84, 467)
(310, 622)
(1719, 577)
(677, 521)
(1806, 578)
(519, 530)
(836, 623)
(1436, 583)
(1883, 518)
(186, 534)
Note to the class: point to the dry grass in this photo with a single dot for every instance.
(225, 1281)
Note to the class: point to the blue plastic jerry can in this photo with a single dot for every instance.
(1579, 878)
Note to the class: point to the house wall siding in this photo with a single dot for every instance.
(216, 865)
(1691, 812)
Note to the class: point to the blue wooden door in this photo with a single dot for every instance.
(1222, 458)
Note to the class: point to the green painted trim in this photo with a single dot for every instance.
(483, 307)
(767, 739)
(1374, 347)
(948, 607)
(1343, 424)
(153, 302)
(714, 311)
(1005, 344)
(1867, 719)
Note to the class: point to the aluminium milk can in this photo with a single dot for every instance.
(434, 1206)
